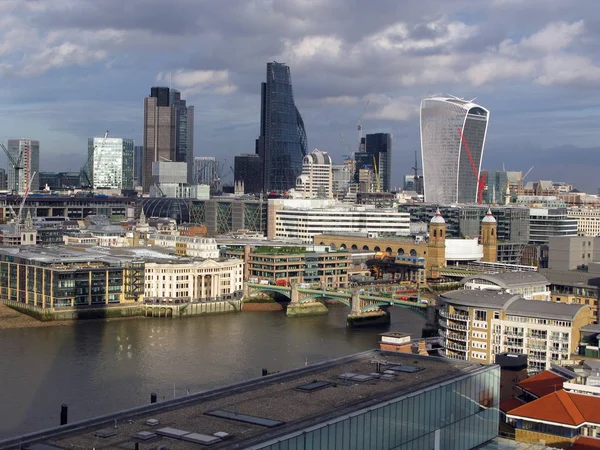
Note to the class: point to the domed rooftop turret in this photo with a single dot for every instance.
(489, 218)
(438, 217)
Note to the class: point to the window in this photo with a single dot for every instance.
(480, 315)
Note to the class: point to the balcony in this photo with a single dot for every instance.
(454, 356)
(453, 326)
(454, 346)
(514, 333)
(454, 336)
(447, 315)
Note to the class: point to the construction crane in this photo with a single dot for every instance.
(360, 127)
(480, 180)
(88, 168)
(527, 173)
(18, 216)
(376, 174)
(17, 166)
(351, 154)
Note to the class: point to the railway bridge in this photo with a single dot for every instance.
(363, 304)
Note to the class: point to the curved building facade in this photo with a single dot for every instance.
(282, 142)
(453, 135)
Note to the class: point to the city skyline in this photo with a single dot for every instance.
(537, 73)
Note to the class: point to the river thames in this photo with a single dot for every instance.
(102, 367)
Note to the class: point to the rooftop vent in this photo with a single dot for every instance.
(269, 423)
(105, 432)
(314, 386)
(407, 369)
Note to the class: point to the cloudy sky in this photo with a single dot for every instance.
(70, 69)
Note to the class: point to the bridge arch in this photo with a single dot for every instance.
(321, 243)
(354, 247)
(413, 252)
(377, 248)
(332, 246)
(365, 247)
(401, 251)
(346, 302)
(389, 250)
(284, 292)
(342, 246)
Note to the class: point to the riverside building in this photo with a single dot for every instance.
(477, 325)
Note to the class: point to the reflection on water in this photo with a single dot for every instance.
(97, 368)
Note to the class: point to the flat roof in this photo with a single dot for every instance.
(509, 280)
(266, 408)
(513, 304)
(572, 278)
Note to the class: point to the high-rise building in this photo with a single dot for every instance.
(316, 180)
(112, 162)
(3, 179)
(497, 187)
(282, 141)
(379, 146)
(248, 168)
(184, 124)
(168, 131)
(138, 164)
(453, 135)
(206, 171)
(27, 152)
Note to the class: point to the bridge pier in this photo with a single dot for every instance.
(430, 329)
(297, 309)
(357, 318)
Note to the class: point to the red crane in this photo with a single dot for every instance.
(480, 180)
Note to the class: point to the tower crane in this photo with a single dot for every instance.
(351, 154)
(480, 180)
(360, 127)
(87, 168)
(17, 166)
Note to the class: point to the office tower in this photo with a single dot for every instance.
(2, 179)
(453, 134)
(168, 131)
(27, 153)
(379, 147)
(343, 175)
(112, 162)
(206, 171)
(497, 187)
(248, 168)
(184, 124)
(282, 141)
(316, 180)
(138, 164)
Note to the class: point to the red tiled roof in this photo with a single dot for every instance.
(585, 443)
(509, 404)
(561, 407)
(542, 384)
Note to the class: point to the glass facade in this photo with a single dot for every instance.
(184, 129)
(206, 171)
(452, 140)
(112, 162)
(27, 152)
(282, 143)
(455, 415)
(379, 145)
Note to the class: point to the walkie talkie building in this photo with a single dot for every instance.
(453, 135)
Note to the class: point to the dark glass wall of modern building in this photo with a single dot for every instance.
(282, 142)
(248, 168)
(379, 146)
(184, 130)
(472, 141)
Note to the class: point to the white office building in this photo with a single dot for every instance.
(199, 247)
(194, 280)
(112, 162)
(316, 180)
(545, 223)
(588, 220)
(298, 219)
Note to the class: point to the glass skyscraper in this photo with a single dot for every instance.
(27, 153)
(168, 131)
(112, 162)
(453, 135)
(379, 146)
(282, 141)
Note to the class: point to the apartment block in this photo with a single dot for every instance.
(477, 325)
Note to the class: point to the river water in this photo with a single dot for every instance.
(102, 367)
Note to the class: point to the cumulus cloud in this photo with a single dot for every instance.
(196, 81)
